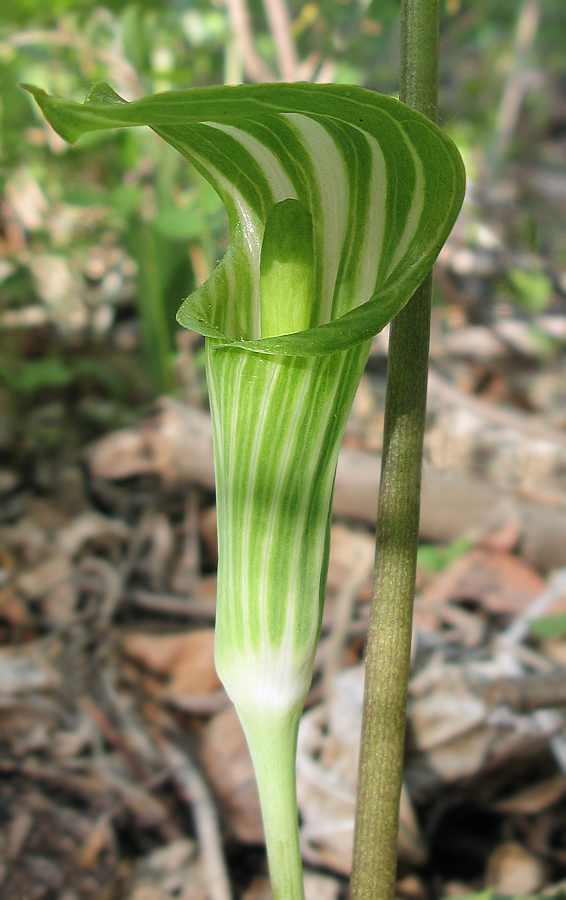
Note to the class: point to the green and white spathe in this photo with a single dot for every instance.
(339, 200)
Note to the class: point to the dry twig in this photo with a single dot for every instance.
(280, 27)
(254, 66)
(194, 790)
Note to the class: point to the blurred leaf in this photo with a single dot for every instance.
(54, 373)
(532, 289)
(126, 199)
(205, 27)
(549, 627)
(102, 374)
(178, 223)
(50, 372)
(436, 558)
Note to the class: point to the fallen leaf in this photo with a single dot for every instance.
(90, 527)
(186, 660)
(170, 871)
(317, 887)
(228, 767)
(12, 608)
(43, 578)
(534, 799)
(513, 870)
(499, 582)
(447, 711)
(327, 762)
(348, 549)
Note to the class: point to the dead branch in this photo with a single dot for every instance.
(175, 444)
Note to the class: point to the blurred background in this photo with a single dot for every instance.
(107, 519)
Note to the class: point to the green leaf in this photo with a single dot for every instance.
(36, 375)
(549, 627)
(436, 558)
(383, 186)
(532, 289)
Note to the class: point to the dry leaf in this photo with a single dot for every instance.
(317, 887)
(411, 888)
(90, 527)
(448, 710)
(37, 582)
(24, 670)
(12, 609)
(100, 838)
(513, 870)
(228, 767)
(187, 659)
(170, 871)
(348, 549)
(533, 799)
(327, 762)
(462, 757)
(499, 582)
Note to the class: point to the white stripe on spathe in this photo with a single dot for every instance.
(415, 211)
(332, 181)
(278, 180)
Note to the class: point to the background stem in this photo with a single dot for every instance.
(389, 636)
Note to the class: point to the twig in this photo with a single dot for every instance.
(516, 82)
(123, 71)
(188, 569)
(512, 637)
(520, 627)
(342, 614)
(172, 604)
(528, 693)
(254, 66)
(113, 737)
(198, 704)
(193, 789)
(280, 27)
(99, 575)
(507, 418)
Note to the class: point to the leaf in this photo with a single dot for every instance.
(533, 289)
(436, 558)
(382, 183)
(549, 627)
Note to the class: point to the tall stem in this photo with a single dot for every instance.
(389, 636)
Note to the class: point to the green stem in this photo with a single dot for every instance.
(389, 636)
(275, 776)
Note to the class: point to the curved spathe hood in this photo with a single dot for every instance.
(382, 183)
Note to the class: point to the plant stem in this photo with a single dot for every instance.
(389, 636)
(275, 776)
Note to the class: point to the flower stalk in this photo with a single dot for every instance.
(339, 201)
(388, 647)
